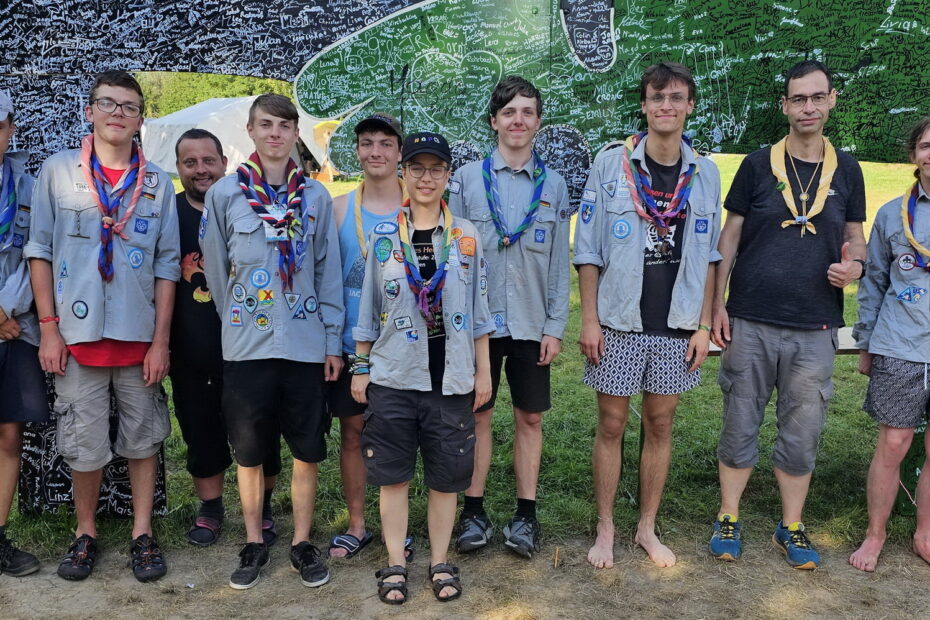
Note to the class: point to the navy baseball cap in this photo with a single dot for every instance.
(380, 122)
(426, 142)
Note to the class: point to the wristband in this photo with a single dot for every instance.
(706, 328)
(861, 262)
(49, 319)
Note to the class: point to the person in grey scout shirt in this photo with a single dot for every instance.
(792, 239)
(271, 258)
(520, 210)
(422, 342)
(645, 248)
(22, 384)
(893, 336)
(104, 258)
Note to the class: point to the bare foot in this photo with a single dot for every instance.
(866, 556)
(922, 546)
(448, 592)
(395, 595)
(601, 555)
(658, 553)
(339, 552)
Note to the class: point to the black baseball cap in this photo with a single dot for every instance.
(426, 142)
(380, 122)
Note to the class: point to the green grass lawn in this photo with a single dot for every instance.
(836, 507)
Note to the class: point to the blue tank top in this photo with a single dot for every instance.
(353, 263)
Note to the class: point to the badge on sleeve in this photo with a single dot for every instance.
(589, 195)
(912, 294)
(906, 262)
(151, 179)
(587, 211)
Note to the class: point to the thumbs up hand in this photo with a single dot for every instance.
(847, 270)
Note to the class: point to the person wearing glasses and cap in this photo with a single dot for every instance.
(110, 314)
(373, 204)
(421, 362)
(793, 239)
(22, 384)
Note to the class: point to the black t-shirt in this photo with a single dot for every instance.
(426, 259)
(661, 255)
(780, 277)
(195, 326)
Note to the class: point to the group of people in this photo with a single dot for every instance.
(274, 309)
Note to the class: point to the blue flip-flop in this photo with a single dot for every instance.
(350, 543)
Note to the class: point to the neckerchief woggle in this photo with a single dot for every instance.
(7, 205)
(420, 289)
(260, 195)
(908, 207)
(357, 207)
(777, 161)
(108, 203)
(638, 183)
(506, 238)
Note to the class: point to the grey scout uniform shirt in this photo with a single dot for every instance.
(15, 288)
(528, 283)
(611, 235)
(894, 295)
(303, 324)
(66, 232)
(389, 318)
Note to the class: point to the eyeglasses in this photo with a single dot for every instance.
(676, 99)
(799, 101)
(129, 110)
(417, 171)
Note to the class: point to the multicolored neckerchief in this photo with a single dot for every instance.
(359, 229)
(506, 238)
(908, 207)
(777, 162)
(108, 203)
(7, 205)
(259, 195)
(639, 184)
(422, 290)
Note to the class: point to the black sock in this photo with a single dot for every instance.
(474, 505)
(526, 508)
(2, 532)
(212, 508)
(266, 504)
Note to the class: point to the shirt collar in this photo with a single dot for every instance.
(498, 163)
(921, 194)
(687, 153)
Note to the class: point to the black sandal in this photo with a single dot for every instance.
(385, 587)
(449, 582)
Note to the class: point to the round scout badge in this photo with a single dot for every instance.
(383, 248)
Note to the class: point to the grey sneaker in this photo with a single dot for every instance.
(252, 559)
(474, 532)
(522, 536)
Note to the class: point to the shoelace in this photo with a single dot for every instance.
(311, 551)
(149, 555)
(78, 552)
(727, 530)
(799, 539)
(249, 554)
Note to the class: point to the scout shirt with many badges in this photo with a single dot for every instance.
(260, 319)
(15, 287)
(528, 279)
(894, 302)
(611, 234)
(66, 231)
(389, 316)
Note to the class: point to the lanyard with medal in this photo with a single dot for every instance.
(505, 237)
(420, 289)
(638, 182)
(908, 213)
(804, 217)
(359, 228)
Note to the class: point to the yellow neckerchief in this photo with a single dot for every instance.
(777, 160)
(359, 230)
(906, 224)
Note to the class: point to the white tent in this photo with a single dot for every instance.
(226, 119)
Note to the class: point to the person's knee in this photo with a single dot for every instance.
(483, 421)
(611, 425)
(658, 428)
(350, 434)
(528, 421)
(11, 439)
(895, 442)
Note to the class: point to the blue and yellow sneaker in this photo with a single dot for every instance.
(725, 544)
(799, 552)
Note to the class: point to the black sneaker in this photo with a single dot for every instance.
(148, 564)
(308, 561)
(252, 559)
(16, 562)
(522, 536)
(474, 532)
(79, 562)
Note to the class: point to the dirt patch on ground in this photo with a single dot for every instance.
(497, 585)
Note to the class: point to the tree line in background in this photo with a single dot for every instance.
(169, 92)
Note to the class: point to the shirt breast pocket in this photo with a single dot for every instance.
(538, 237)
(247, 243)
(620, 217)
(700, 222)
(143, 227)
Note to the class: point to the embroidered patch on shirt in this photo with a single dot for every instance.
(141, 226)
(700, 226)
(540, 235)
(587, 211)
(589, 195)
(610, 187)
(912, 294)
(621, 229)
(235, 316)
(906, 262)
(455, 187)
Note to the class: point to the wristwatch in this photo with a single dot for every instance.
(861, 262)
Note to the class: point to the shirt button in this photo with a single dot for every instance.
(108, 298)
(461, 450)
